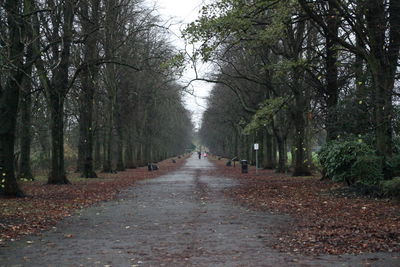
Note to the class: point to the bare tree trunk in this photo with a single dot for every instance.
(308, 140)
(282, 157)
(87, 129)
(56, 92)
(107, 163)
(274, 151)
(81, 143)
(383, 65)
(332, 89)
(140, 157)
(97, 150)
(120, 149)
(301, 165)
(90, 23)
(361, 117)
(57, 174)
(129, 154)
(269, 162)
(104, 148)
(9, 97)
(25, 170)
(111, 32)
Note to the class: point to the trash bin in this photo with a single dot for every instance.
(245, 166)
(152, 167)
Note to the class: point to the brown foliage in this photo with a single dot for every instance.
(45, 205)
(325, 221)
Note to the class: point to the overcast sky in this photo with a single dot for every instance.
(179, 13)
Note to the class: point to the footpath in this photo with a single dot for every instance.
(183, 218)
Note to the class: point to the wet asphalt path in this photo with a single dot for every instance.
(179, 219)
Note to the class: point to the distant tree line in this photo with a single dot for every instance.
(90, 83)
(294, 73)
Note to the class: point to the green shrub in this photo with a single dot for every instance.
(366, 169)
(394, 165)
(391, 188)
(350, 162)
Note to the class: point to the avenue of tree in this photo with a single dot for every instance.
(296, 72)
(90, 84)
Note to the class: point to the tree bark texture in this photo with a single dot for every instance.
(25, 170)
(57, 173)
(90, 24)
(282, 157)
(9, 97)
(56, 97)
(301, 165)
(383, 64)
(332, 89)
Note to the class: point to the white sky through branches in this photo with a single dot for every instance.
(178, 13)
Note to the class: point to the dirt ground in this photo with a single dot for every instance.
(183, 218)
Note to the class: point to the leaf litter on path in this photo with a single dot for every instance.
(324, 222)
(45, 205)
